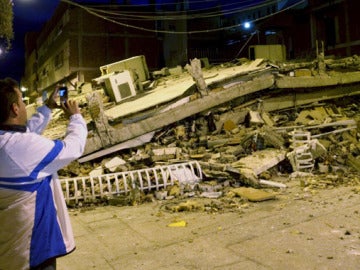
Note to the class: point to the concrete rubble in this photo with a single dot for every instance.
(234, 128)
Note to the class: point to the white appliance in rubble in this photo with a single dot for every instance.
(118, 85)
(136, 64)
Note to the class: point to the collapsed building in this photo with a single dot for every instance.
(195, 130)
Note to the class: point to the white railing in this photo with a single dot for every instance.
(89, 188)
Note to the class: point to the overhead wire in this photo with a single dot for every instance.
(186, 14)
(199, 13)
(94, 12)
(176, 2)
(180, 15)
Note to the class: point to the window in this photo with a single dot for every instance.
(59, 60)
(330, 31)
(58, 30)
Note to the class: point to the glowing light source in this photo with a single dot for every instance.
(247, 25)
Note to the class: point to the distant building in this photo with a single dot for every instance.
(337, 24)
(299, 25)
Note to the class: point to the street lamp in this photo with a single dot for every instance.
(247, 25)
(25, 98)
(23, 90)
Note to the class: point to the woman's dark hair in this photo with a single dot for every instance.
(8, 96)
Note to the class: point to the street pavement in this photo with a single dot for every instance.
(301, 229)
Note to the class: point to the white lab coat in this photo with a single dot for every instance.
(34, 222)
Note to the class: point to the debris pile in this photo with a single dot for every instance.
(283, 123)
(318, 144)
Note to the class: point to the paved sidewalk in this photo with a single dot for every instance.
(298, 230)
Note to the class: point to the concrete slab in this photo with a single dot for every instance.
(177, 86)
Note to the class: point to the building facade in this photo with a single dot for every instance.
(74, 44)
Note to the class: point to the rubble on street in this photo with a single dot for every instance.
(244, 130)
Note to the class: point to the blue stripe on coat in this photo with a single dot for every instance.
(21, 181)
(48, 158)
(47, 240)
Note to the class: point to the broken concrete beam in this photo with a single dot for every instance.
(318, 81)
(95, 144)
(96, 109)
(295, 99)
(195, 71)
(160, 120)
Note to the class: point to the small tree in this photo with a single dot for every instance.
(6, 22)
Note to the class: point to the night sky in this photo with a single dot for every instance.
(29, 15)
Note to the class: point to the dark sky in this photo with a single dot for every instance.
(29, 15)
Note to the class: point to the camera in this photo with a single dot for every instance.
(63, 93)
